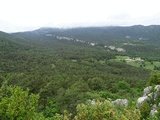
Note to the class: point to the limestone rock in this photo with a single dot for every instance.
(121, 102)
(150, 94)
(147, 90)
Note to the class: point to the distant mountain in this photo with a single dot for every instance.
(138, 40)
(100, 34)
(9, 42)
(148, 35)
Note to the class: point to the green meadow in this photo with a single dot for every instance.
(137, 62)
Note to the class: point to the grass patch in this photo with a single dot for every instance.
(137, 62)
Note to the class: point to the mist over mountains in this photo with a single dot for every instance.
(139, 32)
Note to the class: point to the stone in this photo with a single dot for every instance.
(153, 111)
(141, 100)
(147, 90)
(150, 95)
(159, 105)
(121, 102)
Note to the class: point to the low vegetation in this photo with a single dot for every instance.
(138, 62)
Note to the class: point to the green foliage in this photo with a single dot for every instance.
(74, 94)
(157, 115)
(96, 111)
(96, 83)
(145, 109)
(65, 116)
(123, 85)
(17, 104)
(1, 80)
(101, 110)
(152, 117)
(51, 108)
(109, 95)
(154, 78)
(40, 116)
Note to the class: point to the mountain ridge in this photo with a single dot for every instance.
(140, 32)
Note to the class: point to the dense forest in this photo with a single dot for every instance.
(53, 73)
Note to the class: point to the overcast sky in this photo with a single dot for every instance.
(20, 15)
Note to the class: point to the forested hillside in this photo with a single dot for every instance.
(141, 41)
(68, 67)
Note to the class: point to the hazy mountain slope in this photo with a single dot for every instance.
(137, 41)
(101, 34)
(12, 43)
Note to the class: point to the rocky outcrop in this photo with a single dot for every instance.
(147, 90)
(151, 95)
(121, 102)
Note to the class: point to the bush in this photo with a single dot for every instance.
(123, 85)
(16, 104)
(154, 78)
(100, 110)
(145, 109)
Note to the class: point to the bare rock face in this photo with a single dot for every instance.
(150, 95)
(147, 90)
(153, 111)
(121, 102)
(141, 100)
(156, 92)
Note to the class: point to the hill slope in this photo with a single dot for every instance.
(137, 41)
(139, 32)
(12, 43)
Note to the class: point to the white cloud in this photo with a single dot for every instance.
(59, 13)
